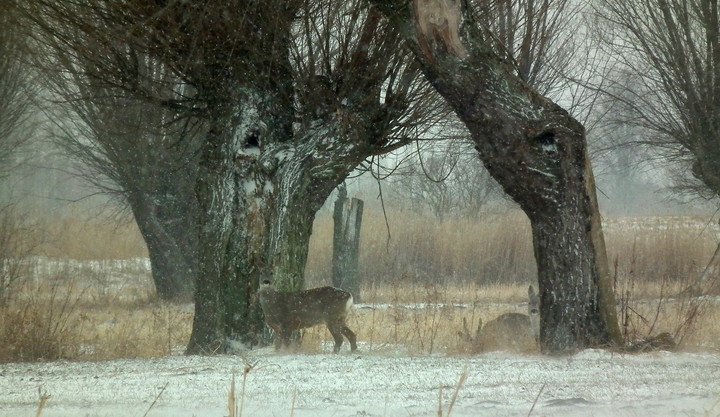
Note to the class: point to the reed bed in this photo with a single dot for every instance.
(425, 285)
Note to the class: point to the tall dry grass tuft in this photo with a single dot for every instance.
(68, 316)
(658, 263)
(19, 238)
(38, 326)
(652, 249)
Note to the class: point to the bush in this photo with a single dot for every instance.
(18, 240)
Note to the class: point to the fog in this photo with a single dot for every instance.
(46, 182)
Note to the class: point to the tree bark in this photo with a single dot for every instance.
(538, 153)
(257, 205)
(232, 221)
(162, 199)
(172, 249)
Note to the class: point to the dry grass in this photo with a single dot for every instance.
(74, 318)
(30, 332)
(498, 249)
(431, 323)
(421, 290)
(439, 324)
(91, 239)
(420, 249)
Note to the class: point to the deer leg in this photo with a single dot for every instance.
(277, 339)
(337, 332)
(350, 337)
(285, 335)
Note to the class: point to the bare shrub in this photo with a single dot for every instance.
(38, 326)
(659, 314)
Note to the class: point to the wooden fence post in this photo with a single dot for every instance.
(347, 218)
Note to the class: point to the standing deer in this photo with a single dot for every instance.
(512, 331)
(286, 312)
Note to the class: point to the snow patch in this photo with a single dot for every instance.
(593, 382)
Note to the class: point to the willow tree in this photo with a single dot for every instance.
(538, 154)
(133, 151)
(291, 96)
(667, 56)
(332, 90)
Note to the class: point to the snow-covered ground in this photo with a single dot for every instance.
(591, 383)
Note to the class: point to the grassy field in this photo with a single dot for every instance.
(425, 289)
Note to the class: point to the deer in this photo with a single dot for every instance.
(286, 312)
(511, 331)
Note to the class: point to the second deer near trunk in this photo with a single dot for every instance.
(514, 332)
(286, 312)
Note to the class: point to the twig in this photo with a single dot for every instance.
(157, 397)
(439, 412)
(459, 385)
(44, 397)
(246, 370)
(232, 408)
(292, 406)
(536, 399)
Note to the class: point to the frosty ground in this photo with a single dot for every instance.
(590, 383)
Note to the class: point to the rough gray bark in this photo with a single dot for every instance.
(233, 191)
(537, 152)
(270, 195)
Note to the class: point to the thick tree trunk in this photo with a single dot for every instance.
(257, 203)
(293, 214)
(233, 192)
(537, 152)
(571, 316)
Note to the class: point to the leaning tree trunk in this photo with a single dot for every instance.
(309, 174)
(537, 152)
(167, 219)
